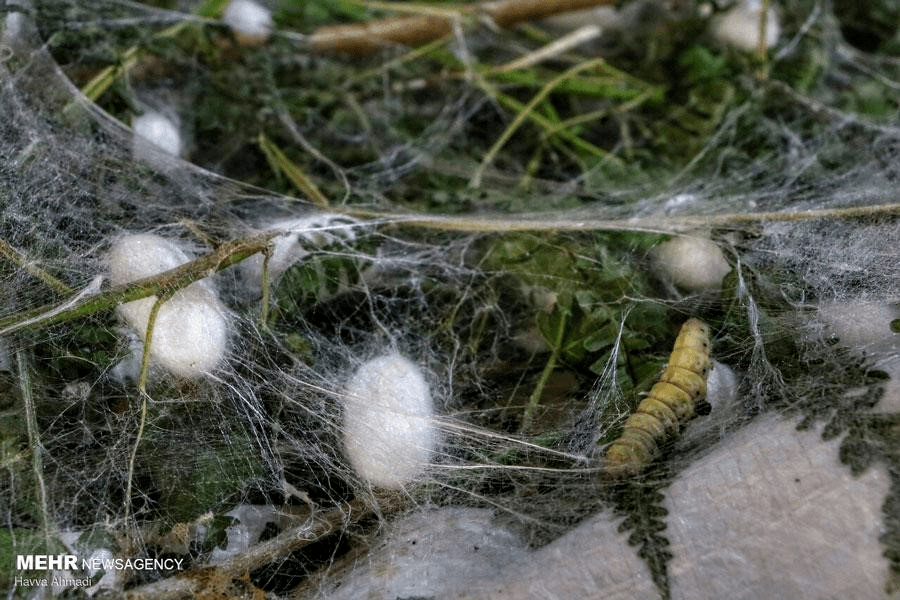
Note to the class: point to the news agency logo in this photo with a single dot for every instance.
(49, 562)
(44, 562)
(65, 564)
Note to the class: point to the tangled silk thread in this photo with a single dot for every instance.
(670, 403)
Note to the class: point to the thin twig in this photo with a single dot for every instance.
(264, 286)
(34, 442)
(548, 222)
(190, 583)
(551, 50)
(762, 47)
(538, 392)
(142, 391)
(16, 257)
(280, 162)
(133, 458)
(365, 38)
(222, 257)
(148, 342)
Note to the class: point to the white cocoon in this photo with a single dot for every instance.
(389, 435)
(155, 134)
(739, 26)
(190, 334)
(251, 23)
(726, 405)
(721, 385)
(693, 264)
(18, 26)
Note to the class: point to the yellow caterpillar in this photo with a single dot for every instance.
(670, 402)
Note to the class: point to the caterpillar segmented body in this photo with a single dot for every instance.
(670, 403)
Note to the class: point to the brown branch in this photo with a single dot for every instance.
(510, 12)
(365, 38)
(208, 579)
(164, 283)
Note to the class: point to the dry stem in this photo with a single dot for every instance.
(227, 254)
(162, 284)
(204, 579)
(365, 38)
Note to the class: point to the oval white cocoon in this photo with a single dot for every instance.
(155, 138)
(721, 385)
(389, 435)
(693, 264)
(739, 25)
(190, 334)
(251, 22)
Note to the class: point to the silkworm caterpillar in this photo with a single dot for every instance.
(670, 403)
